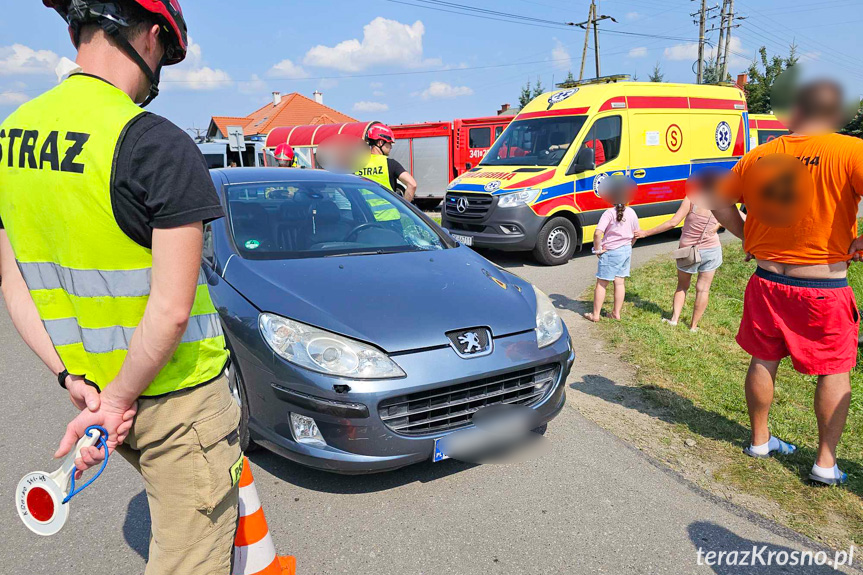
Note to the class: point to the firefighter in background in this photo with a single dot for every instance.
(383, 169)
(284, 154)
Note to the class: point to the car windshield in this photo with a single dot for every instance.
(301, 219)
(534, 142)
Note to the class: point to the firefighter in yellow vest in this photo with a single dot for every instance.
(102, 207)
(385, 171)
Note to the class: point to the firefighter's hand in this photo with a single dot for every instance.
(117, 421)
(855, 249)
(82, 394)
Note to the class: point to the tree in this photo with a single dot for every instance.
(525, 97)
(711, 72)
(763, 73)
(569, 80)
(855, 126)
(656, 75)
(635, 76)
(538, 89)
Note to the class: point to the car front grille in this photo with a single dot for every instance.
(477, 205)
(452, 407)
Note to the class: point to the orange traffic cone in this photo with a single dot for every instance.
(254, 552)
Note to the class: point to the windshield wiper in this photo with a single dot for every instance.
(369, 253)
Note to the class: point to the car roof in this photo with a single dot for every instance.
(255, 175)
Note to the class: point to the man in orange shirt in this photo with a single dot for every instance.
(803, 233)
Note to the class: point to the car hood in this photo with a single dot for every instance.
(397, 302)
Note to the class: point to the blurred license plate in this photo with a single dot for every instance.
(466, 240)
(438, 454)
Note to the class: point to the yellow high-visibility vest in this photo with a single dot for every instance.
(377, 171)
(89, 280)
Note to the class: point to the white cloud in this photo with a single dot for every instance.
(632, 16)
(370, 107)
(443, 91)
(376, 85)
(385, 43)
(639, 52)
(191, 74)
(689, 52)
(560, 56)
(287, 69)
(13, 98)
(20, 59)
(378, 93)
(254, 86)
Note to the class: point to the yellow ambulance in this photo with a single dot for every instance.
(536, 188)
(763, 128)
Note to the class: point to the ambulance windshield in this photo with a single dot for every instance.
(534, 142)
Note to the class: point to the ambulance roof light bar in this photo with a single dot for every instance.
(600, 80)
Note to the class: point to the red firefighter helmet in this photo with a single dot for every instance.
(380, 132)
(284, 153)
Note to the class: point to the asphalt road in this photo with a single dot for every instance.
(592, 504)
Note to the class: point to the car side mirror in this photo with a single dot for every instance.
(585, 160)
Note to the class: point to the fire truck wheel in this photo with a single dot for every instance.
(556, 242)
(426, 204)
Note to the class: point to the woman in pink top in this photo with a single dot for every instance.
(612, 244)
(699, 229)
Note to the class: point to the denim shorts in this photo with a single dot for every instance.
(711, 259)
(614, 263)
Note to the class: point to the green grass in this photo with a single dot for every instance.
(698, 379)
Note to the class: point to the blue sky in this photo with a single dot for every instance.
(403, 62)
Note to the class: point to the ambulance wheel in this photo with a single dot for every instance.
(426, 204)
(556, 242)
(238, 392)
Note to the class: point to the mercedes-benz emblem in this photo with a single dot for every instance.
(462, 205)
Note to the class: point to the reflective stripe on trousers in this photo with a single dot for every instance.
(108, 339)
(89, 283)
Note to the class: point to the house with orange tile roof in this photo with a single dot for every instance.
(290, 110)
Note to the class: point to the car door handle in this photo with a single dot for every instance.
(639, 173)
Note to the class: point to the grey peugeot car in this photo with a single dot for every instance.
(360, 332)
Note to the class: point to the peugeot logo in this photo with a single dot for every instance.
(471, 342)
(462, 205)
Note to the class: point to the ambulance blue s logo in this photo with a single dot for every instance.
(559, 97)
(723, 136)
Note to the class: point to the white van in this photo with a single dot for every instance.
(219, 155)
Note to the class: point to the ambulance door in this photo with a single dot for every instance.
(660, 143)
(611, 156)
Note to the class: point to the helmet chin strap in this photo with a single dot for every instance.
(113, 30)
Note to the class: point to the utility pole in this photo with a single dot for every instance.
(702, 15)
(592, 20)
(729, 17)
(721, 43)
(590, 15)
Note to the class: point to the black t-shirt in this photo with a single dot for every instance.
(160, 180)
(395, 170)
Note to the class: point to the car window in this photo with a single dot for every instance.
(208, 253)
(534, 142)
(498, 130)
(604, 138)
(479, 138)
(297, 219)
(765, 136)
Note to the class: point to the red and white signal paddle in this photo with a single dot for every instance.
(42, 499)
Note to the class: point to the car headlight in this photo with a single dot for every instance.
(549, 327)
(520, 198)
(324, 351)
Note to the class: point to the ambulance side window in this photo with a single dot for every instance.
(604, 137)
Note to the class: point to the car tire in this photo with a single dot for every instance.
(556, 242)
(426, 204)
(238, 392)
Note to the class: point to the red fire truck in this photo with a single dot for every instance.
(437, 152)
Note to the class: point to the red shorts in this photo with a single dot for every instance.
(816, 322)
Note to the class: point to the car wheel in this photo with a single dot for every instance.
(556, 242)
(238, 392)
(426, 204)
